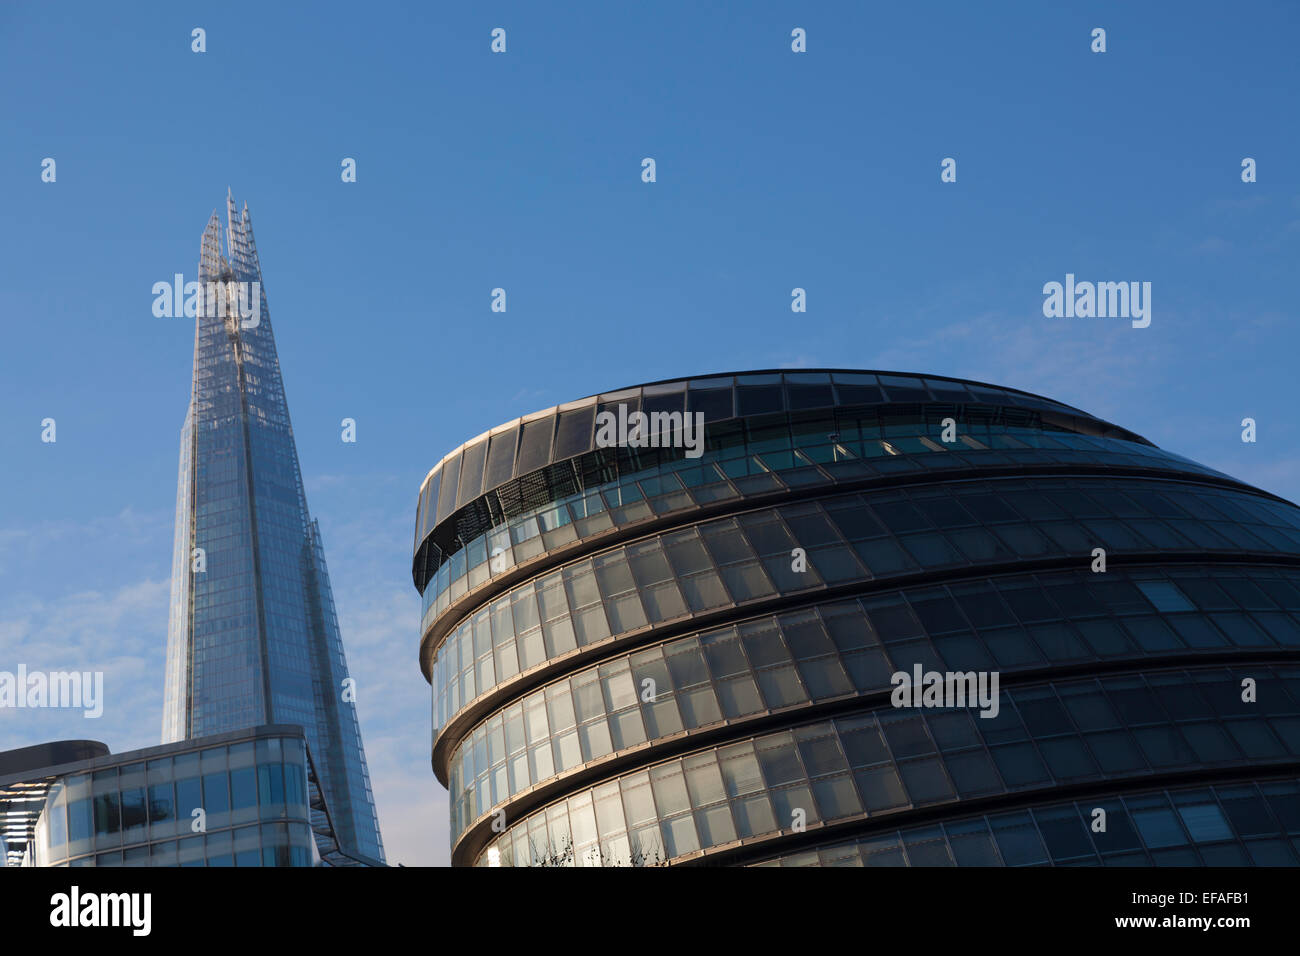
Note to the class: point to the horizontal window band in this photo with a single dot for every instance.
(503, 695)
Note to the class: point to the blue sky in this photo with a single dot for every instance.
(521, 170)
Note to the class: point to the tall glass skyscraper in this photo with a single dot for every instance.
(643, 655)
(253, 637)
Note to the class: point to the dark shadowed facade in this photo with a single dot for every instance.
(641, 657)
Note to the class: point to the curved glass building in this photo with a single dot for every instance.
(648, 645)
(249, 797)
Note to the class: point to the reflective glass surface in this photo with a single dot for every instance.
(849, 649)
(806, 450)
(196, 809)
(637, 658)
(847, 539)
(253, 635)
(1241, 825)
(890, 761)
(559, 433)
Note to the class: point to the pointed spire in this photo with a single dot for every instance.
(210, 250)
(239, 239)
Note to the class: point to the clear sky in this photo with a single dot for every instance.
(522, 170)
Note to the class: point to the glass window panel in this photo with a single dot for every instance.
(925, 780)
(973, 774)
(1119, 834)
(740, 769)
(724, 654)
(574, 434)
(1018, 840)
(1115, 752)
(189, 796)
(1165, 595)
(779, 760)
(1063, 832)
(535, 445)
(1159, 827)
(471, 473)
(1019, 764)
(216, 797)
(1205, 822)
(972, 844)
(501, 458)
(836, 797)
(447, 492)
(739, 697)
(704, 591)
(880, 788)
(270, 788)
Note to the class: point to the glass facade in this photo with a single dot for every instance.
(745, 560)
(1239, 825)
(253, 637)
(748, 672)
(638, 657)
(243, 801)
(731, 472)
(890, 761)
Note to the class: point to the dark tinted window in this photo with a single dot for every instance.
(573, 436)
(758, 399)
(450, 481)
(535, 445)
(501, 458)
(471, 473)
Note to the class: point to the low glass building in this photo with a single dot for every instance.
(245, 798)
(643, 655)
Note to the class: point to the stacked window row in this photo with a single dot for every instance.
(846, 434)
(531, 445)
(266, 844)
(849, 538)
(156, 801)
(815, 455)
(854, 647)
(1042, 736)
(1238, 825)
